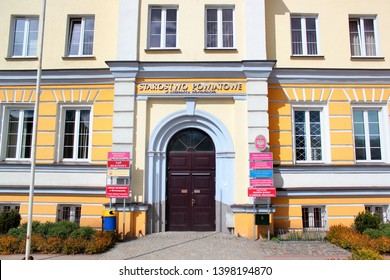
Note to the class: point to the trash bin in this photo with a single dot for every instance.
(109, 220)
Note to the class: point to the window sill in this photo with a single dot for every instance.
(81, 57)
(303, 56)
(160, 50)
(20, 58)
(367, 58)
(230, 50)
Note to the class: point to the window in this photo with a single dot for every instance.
(9, 207)
(163, 28)
(19, 134)
(307, 128)
(71, 213)
(220, 29)
(304, 35)
(367, 134)
(81, 33)
(313, 217)
(25, 37)
(362, 36)
(380, 210)
(76, 134)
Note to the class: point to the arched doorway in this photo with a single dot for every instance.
(190, 181)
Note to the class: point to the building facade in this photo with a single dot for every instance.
(186, 88)
(329, 110)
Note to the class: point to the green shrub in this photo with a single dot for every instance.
(374, 233)
(21, 232)
(366, 220)
(386, 230)
(61, 229)
(83, 232)
(365, 254)
(8, 220)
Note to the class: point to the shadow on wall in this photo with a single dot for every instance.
(273, 8)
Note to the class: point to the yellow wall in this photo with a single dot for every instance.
(55, 38)
(99, 98)
(334, 48)
(337, 100)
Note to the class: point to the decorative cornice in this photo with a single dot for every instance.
(329, 76)
(54, 77)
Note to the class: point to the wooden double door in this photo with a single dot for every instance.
(191, 190)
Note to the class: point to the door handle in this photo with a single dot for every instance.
(193, 202)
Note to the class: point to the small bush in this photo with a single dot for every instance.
(62, 229)
(8, 244)
(54, 245)
(374, 233)
(365, 254)
(366, 220)
(102, 241)
(21, 232)
(8, 220)
(83, 232)
(74, 245)
(386, 230)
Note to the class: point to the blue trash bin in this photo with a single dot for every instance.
(109, 220)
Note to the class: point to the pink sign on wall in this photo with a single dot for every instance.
(261, 165)
(261, 156)
(118, 155)
(268, 182)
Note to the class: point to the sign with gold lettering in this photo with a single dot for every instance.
(195, 88)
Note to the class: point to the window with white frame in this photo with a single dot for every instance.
(81, 35)
(381, 210)
(313, 217)
(367, 134)
(76, 136)
(219, 27)
(162, 27)
(18, 133)
(25, 37)
(308, 135)
(304, 35)
(70, 213)
(362, 36)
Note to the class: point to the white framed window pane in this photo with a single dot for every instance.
(70, 119)
(32, 38)
(83, 142)
(227, 28)
(13, 128)
(171, 23)
(19, 138)
(315, 135)
(88, 36)
(354, 37)
(26, 139)
(296, 34)
(367, 136)
(155, 28)
(311, 36)
(369, 37)
(75, 35)
(300, 135)
(212, 28)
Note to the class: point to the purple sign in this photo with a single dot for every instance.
(261, 165)
(268, 182)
